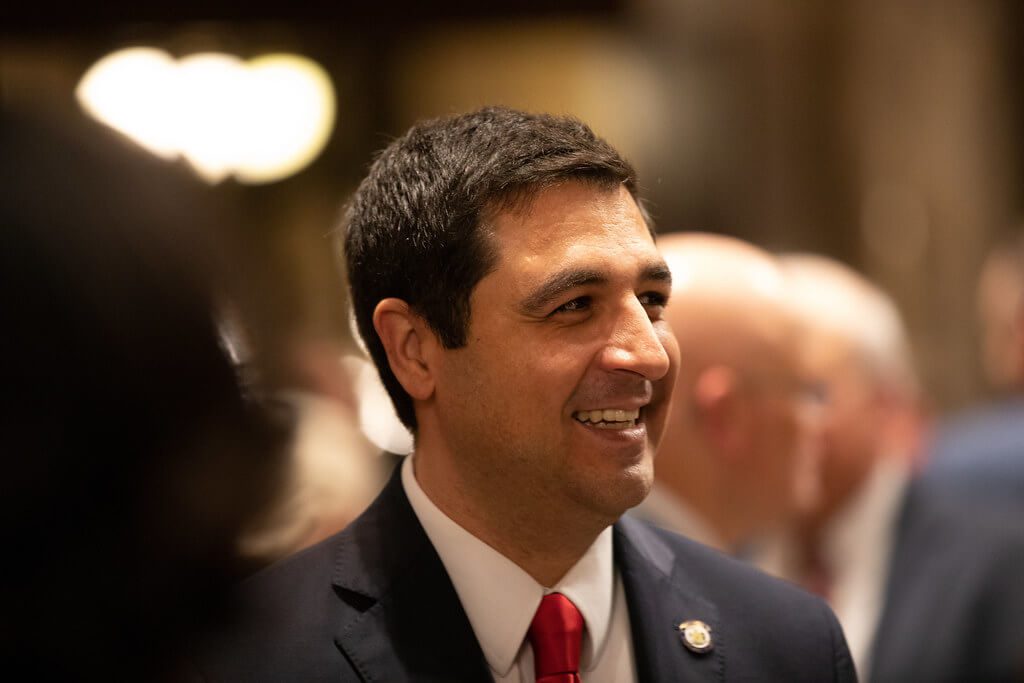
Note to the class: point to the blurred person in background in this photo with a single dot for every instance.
(333, 472)
(926, 589)
(738, 456)
(131, 458)
(507, 285)
(980, 454)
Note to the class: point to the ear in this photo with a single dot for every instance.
(721, 411)
(408, 342)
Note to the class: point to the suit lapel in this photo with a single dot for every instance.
(403, 619)
(659, 599)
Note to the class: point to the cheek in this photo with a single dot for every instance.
(837, 426)
(505, 354)
(784, 437)
(845, 448)
(797, 431)
(536, 382)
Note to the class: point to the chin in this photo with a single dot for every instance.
(610, 498)
(639, 483)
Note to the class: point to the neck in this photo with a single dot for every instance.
(694, 483)
(544, 541)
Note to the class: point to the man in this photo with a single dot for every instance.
(926, 589)
(979, 455)
(737, 457)
(507, 285)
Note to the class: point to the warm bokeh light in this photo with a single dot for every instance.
(133, 92)
(291, 113)
(211, 97)
(260, 120)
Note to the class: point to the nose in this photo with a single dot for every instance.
(636, 344)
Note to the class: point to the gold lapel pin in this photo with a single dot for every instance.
(696, 636)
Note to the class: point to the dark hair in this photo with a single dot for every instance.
(413, 230)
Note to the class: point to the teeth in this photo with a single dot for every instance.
(615, 425)
(608, 416)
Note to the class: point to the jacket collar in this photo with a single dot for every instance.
(661, 596)
(404, 620)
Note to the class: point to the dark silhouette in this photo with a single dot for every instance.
(131, 457)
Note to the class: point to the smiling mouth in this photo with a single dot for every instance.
(608, 418)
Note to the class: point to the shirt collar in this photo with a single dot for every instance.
(870, 514)
(499, 598)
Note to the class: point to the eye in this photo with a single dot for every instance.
(580, 303)
(654, 302)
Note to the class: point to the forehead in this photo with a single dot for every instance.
(828, 354)
(570, 222)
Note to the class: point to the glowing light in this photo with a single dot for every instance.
(212, 91)
(291, 108)
(260, 120)
(133, 92)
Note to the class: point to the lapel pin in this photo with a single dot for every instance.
(696, 636)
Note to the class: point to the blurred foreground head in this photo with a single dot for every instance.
(856, 345)
(738, 451)
(131, 459)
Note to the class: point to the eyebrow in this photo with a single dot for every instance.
(557, 284)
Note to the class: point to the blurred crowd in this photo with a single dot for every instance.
(149, 465)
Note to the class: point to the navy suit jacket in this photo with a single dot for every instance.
(954, 608)
(979, 455)
(374, 603)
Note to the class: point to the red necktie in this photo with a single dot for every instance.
(555, 635)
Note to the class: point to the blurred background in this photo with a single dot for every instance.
(888, 135)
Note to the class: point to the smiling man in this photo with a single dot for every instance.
(507, 284)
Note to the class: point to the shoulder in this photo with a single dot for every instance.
(294, 574)
(288, 617)
(945, 541)
(712, 572)
(992, 432)
(932, 522)
(281, 624)
(955, 574)
(767, 629)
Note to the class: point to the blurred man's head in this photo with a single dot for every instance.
(857, 346)
(738, 448)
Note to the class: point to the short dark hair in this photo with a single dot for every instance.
(413, 230)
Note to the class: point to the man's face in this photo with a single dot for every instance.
(786, 437)
(560, 395)
(852, 425)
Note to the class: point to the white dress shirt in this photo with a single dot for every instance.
(856, 548)
(858, 544)
(500, 599)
